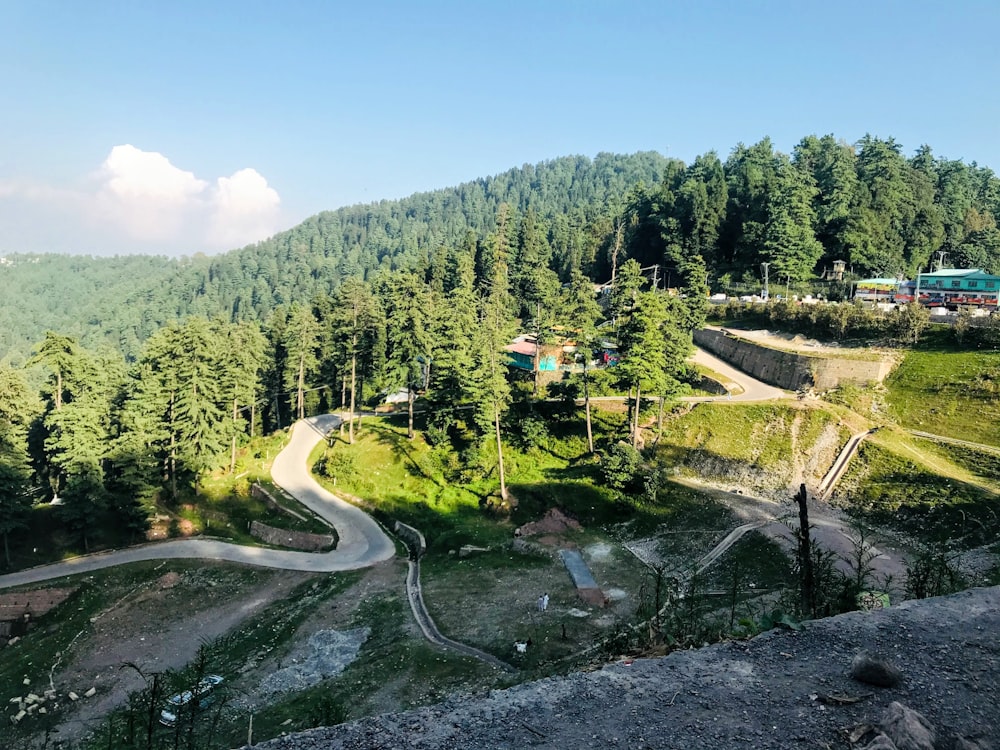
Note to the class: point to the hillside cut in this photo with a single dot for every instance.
(783, 689)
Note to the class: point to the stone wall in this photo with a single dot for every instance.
(791, 370)
(413, 538)
(293, 539)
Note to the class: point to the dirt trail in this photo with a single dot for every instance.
(831, 529)
(157, 628)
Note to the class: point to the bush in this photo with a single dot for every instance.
(532, 432)
(336, 464)
(620, 466)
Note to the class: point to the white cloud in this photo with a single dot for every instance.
(244, 209)
(139, 201)
(146, 195)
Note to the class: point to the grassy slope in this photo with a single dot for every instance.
(930, 491)
(771, 440)
(946, 391)
(412, 482)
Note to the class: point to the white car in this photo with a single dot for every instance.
(177, 703)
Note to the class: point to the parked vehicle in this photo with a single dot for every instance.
(201, 697)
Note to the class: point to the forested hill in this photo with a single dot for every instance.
(868, 204)
(121, 301)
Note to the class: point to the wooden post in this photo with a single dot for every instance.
(807, 583)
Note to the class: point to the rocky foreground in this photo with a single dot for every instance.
(783, 689)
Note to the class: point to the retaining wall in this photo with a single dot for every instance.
(791, 370)
(293, 539)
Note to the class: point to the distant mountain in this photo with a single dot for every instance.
(120, 301)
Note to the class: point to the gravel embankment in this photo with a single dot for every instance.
(762, 693)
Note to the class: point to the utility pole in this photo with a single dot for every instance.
(763, 268)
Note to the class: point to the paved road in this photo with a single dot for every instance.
(753, 389)
(361, 541)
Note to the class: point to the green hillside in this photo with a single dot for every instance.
(121, 301)
(944, 390)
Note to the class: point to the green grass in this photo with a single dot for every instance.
(916, 491)
(979, 463)
(452, 498)
(758, 435)
(941, 389)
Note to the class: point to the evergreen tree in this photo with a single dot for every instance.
(582, 313)
(789, 244)
(408, 311)
(642, 362)
(496, 328)
(356, 312)
(17, 409)
(453, 343)
(301, 341)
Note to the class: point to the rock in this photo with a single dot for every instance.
(73, 696)
(881, 742)
(18, 716)
(875, 670)
(90, 693)
(42, 710)
(908, 729)
(963, 743)
(32, 698)
(13, 640)
(26, 681)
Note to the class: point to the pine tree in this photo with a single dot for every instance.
(301, 340)
(17, 409)
(581, 314)
(454, 324)
(496, 328)
(356, 312)
(642, 361)
(408, 312)
(789, 243)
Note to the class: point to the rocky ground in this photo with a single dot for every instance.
(784, 689)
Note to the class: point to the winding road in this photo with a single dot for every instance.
(361, 540)
(753, 389)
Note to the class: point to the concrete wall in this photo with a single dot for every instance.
(790, 370)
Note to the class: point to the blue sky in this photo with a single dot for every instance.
(188, 127)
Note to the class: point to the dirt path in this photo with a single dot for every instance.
(831, 529)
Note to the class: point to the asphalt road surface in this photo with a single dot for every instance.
(361, 540)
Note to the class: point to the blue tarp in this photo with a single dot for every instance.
(578, 570)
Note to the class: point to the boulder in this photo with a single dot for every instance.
(875, 670)
(908, 729)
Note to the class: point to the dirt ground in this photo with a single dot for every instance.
(783, 689)
(160, 625)
(156, 627)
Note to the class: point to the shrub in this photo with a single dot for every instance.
(620, 465)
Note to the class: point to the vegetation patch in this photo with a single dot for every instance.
(946, 390)
(764, 445)
(890, 488)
